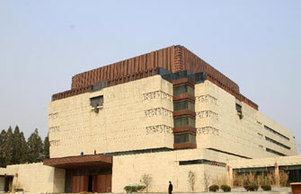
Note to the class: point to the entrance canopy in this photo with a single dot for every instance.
(85, 161)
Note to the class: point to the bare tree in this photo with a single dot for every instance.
(206, 181)
(146, 179)
(191, 180)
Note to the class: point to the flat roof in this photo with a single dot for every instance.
(85, 161)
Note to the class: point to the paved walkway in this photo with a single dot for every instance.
(275, 190)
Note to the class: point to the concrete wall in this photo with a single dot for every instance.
(164, 167)
(135, 115)
(138, 115)
(59, 180)
(264, 120)
(219, 126)
(263, 162)
(37, 178)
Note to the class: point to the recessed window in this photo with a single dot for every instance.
(185, 105)
(238, 107)
(274, 152)
(184, 121)
(185, 138)
(239, 111)
(96, 103)
(275, 132)
(202, 161)
(277, 143)
(99, 85)
(183, 90)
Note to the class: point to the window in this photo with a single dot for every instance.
(274, 152)
(202, 161)
(276, 133)
(185, 105)
(277, 143)
(238, 109)
(184, 121)
(185, 138)
(96, 102)
(183, 90)
(99, 85)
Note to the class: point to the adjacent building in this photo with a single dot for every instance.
(165, 114)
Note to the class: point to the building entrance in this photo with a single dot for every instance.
(90, 173)
(90, 180)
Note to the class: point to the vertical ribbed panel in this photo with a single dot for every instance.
(160, 58)
(174, 58)
(194, 64)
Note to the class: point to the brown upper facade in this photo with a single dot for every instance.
(175, 58)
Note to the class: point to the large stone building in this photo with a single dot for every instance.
(164, 113)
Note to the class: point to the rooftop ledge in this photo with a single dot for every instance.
(85, 161)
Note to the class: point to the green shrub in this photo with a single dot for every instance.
(254, 187)
(251, 187)
(140, 187)
(247, 187)
(213, 188)
(226, 188)
(266, 187)
(134, 188)
(18, 189)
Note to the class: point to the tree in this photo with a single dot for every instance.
(2, 148)
(206, 181)
(23, 148)
(35, 147)
(146, 179)
(18, 147)
(191, 180)
(7, 147)
(46, 147)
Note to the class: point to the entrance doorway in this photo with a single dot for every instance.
(90, 180)
(90, 184)
(8, 182)
(86, 172)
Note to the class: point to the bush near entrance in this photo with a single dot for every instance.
(251, 187)
(226, 188)
(266, 187)
(134, 188)
(213, 188)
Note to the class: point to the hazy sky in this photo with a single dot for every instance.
(44, 43)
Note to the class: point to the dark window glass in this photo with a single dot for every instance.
(185, 105)
(185, 138)
(202, 161)
(184, 121)
(96, 101)
(238, 108)
(183, 90)
(277, 143)
(274, 152)
(275, 132)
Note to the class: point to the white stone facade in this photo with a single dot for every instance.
(36, 178)
(135, 115)
(138, 115)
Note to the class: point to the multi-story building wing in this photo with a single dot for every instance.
(164, 114)
(166, 103)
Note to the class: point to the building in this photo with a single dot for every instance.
(164, 113)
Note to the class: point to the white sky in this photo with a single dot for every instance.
(44, 43)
